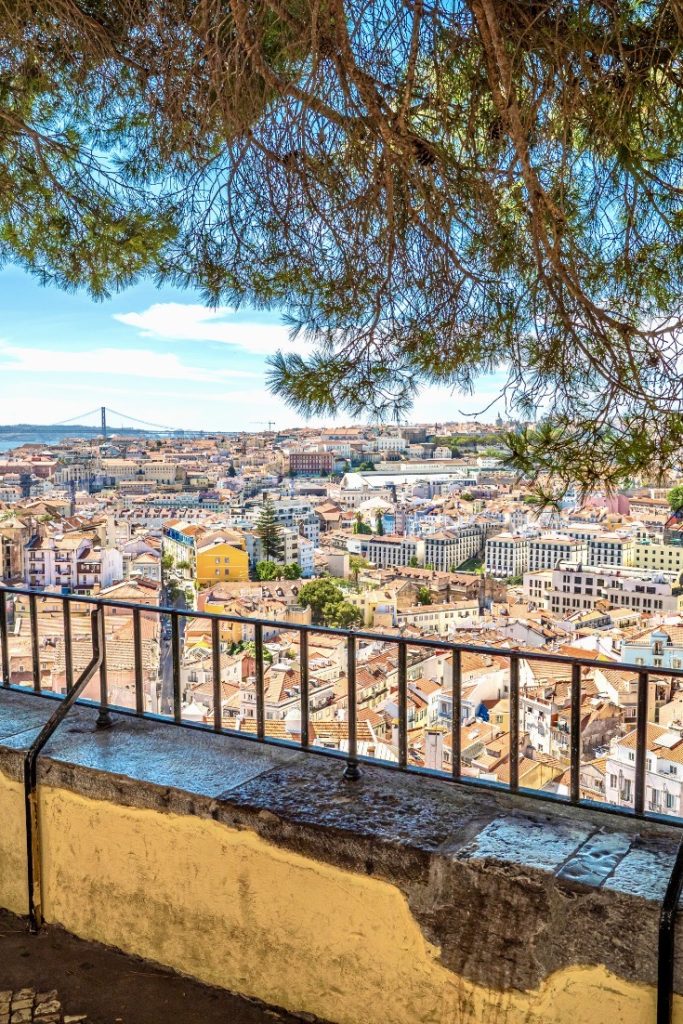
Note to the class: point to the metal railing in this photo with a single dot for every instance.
(353, 638)
(351, 756)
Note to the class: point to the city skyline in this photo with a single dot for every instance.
(159, 354)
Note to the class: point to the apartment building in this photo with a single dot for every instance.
(537, 586)
(452, 547)
(608, 549)
(13, 536)
(507, 554)
(311, 463)
(648, 554)
(440, 618)
(664, 770)
(219, 560)
(549, 549)
(385, 552)
(575, 586)
(389, 444)
(660, 648)
(73, 562)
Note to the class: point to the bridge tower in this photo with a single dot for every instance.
(103, 413)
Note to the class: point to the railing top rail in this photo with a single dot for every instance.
(359, 634)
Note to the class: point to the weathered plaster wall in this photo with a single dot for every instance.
(232, 909)
(13, 885)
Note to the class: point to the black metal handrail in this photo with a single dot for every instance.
(352, 758)
(35, 914)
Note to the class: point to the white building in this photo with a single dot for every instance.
(385, 552)
(306, 555)
(549, 549)
(507, 554)
(72, 562)
(452, 547)
(390, 444)
(664, 770)
(608, 549)
(575, 586)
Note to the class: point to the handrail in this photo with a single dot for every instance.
(30, 770)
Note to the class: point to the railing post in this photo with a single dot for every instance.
(352, 771)
(216, 672)
(175, 655)
(35, 648)
(303, 674)
(641, 743)
(68, 655)
(575, 735)
(667, 939)
(104, 719)
(514, 723)
(4, 648)
(456, 716)
(137, 651)
(260, 684)
(402, 704)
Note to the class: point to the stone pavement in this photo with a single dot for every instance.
(55, 978)
(26, 1006)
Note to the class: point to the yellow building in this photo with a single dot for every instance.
(219, 562)
(662, 557)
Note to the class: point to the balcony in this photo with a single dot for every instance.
(320, 880)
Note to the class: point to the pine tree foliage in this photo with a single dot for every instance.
(269, 532)
(431, 190)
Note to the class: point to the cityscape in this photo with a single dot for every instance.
(341, 512)
(415, 531)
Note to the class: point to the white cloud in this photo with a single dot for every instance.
(110, 362)
(178, 321)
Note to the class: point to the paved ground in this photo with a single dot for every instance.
(54, 978)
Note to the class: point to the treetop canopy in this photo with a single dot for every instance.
(430, 191)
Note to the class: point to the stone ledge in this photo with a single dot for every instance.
(510, 890)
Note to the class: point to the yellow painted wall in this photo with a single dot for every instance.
(13, 885)
(236, 911)
(236, 568)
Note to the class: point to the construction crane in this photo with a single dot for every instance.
(265, 423)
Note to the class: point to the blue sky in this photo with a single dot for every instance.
(156, 354)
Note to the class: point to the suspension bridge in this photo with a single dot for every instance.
(101, 422)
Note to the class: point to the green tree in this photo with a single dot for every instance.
(268, 530)
(166, 562)
(467, 496)
(328, 605)
(413, 562)
(359, 525)
(343, 615)
(424, 595)
(379, 525)
(675, 498)
(367, 466)
(356, 564)
(291, 571)
(121, 128)
(268, 570)
(232, 472)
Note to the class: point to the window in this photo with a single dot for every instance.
(631, 756)
(670, 801)
(613, 781)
